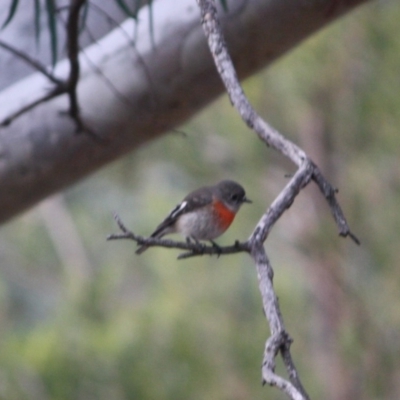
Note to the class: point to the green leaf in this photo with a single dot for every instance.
(85, 12)
(37, 20)
(52, 23)
(224, 4)
(124, 7)
(13, 8)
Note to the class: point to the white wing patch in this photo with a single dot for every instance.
(178, 209)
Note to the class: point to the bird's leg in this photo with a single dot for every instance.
(191, 239)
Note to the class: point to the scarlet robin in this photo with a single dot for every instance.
(203, 214)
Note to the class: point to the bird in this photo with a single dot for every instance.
(203, 214)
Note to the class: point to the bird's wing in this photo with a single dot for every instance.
(192, 201)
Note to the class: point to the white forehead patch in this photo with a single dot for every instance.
(178, 209)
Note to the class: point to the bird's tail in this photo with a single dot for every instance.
(166, 227)
(158, 233)
(141, 249)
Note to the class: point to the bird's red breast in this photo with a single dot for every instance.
(224, 214)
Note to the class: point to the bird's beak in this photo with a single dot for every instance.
(246, 200)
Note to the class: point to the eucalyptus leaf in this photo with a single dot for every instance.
(37, 20)
(52, 24)
(224, 4)
(11, 13)
(85, 12)
(125, 8)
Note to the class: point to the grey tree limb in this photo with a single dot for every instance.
(162, 83)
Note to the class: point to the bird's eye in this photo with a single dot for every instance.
(235, 197)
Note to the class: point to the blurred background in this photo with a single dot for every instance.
(82, 318)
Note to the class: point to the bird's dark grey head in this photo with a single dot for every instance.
(232, 194)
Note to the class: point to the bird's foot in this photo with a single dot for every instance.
(200, 246)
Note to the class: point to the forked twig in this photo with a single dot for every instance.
(68, 86)
(307, 170)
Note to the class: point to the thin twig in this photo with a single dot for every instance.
(70, 85)
(153, 98)
(35, 64)
(329, 193)
(113, 21)
(194, 249)
(93, 66)
(124, 99)
(282, 202)
(51, 95)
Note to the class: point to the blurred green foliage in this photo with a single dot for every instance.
(82, 318)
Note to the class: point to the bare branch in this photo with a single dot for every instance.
(194, 248)
(51, 95)
(329, 193)
(94, 67)
(283, 201)
(307, 170)
(124, 99)
(32, 62)
(265, 132)
(217, 45)
(132, 42)
(275, 343)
